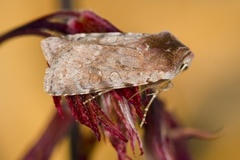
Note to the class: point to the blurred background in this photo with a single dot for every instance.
(204, 97)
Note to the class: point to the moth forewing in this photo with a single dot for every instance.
(53, 47)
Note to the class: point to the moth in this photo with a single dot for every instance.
(99, 62)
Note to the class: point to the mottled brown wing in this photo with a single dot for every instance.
(86, 67)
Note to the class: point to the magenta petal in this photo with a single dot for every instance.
(187, 133)
(156, 138)
(118, 106)
(133, 96)
(82, 114)
(111, 108)
(57, 129)
(89, 22)
(130, 126)
(120, 147)
(58, 105)
(63, 22)
(82, 145)
(107, 124)
(90, 115)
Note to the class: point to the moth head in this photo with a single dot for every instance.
(172, 55)
(186, 59)
(179, 55)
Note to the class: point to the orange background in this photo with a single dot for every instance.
(206, 96)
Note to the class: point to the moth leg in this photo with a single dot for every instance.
(94, 97)
(142, 90)
(137, 93)
(147, 108)
(164, 85)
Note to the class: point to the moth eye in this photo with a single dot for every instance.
(183, 67)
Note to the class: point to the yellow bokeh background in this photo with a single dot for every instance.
(205, 97)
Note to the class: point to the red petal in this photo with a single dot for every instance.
(83, 114)
(130, 126)
(108, 124)
(120, 147)
(112, 102)
(88, 22)
(157, 141)
(57, 102)
(57, 129)
(132, 94)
